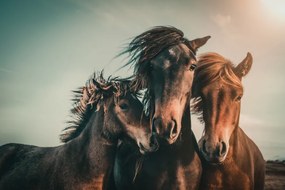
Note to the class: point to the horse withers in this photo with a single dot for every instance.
(105, 111)
(231, 160)
(164, 64)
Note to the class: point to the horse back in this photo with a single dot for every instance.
(8, 156)
(20, 166)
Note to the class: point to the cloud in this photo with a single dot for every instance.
(227, 27)
(222, 20)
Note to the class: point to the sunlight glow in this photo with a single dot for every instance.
(277, 7)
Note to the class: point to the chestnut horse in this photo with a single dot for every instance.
(230, 159)
(106, 111)
(164, 64)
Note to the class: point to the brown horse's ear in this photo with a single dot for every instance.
(197, 43)
(243, 68)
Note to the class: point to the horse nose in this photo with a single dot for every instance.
(172, 127)
(156, 125)
(168, 130)
(221, 149)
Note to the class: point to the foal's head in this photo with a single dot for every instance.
(164, 64)
(217, 92)
(123, 113)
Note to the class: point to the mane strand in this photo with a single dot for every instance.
(148, 44)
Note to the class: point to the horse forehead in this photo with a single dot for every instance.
(217, 85)
(172, 52)
(171, 56)
(178, 50)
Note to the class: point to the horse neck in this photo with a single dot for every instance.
(92, 150)
(188, 140)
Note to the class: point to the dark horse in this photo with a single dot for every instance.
(164, 64)
(231, 160)
(106, 111)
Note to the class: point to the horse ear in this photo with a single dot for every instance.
(243, 68)
(197, 43)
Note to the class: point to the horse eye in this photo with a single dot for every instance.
(238, 98)
(124, 106)
(192, 67)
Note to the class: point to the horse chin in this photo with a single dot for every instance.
(169, 141)
(215, 161)
(147, 149)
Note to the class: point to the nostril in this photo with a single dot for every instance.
(223, 148)
(173, 129)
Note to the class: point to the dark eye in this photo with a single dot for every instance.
(238, 98)
(192, 67)
(124, 106)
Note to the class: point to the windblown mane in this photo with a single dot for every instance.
(210, 68)
(88, 98)
(144, 48)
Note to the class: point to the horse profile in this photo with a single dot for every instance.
(164, 63)
(105, 111)
(231, 160)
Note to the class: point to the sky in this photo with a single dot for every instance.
(49, 48)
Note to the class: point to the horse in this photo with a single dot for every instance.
(164, 63)
(230, 159)
(104, 111)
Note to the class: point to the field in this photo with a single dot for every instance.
(275, 175)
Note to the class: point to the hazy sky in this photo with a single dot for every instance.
(50, 47)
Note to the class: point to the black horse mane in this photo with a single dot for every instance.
(88, 98)
(144, 48)
(148, 44)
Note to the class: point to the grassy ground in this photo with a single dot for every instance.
(275, 175)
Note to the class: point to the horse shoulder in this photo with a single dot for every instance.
(256, 160)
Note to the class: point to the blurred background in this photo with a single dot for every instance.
(49, 48)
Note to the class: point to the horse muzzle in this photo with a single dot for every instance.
(214, 154)
(168, 131)
(152, 146)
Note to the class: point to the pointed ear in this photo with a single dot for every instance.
(243, 68)
(197, 43)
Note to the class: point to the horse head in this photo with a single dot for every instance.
(217, 92)
(164, 65)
